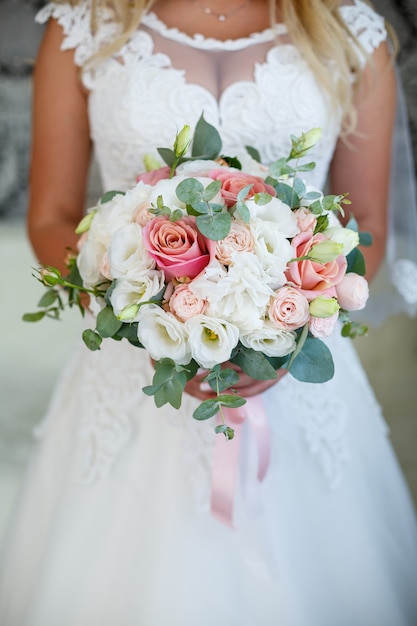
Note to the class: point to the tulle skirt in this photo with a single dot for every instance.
(113, 524)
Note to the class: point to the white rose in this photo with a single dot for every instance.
(241, 295)
(127, 255)
(349, 238)
(277, 212)
(163, 335)
(272, 249)
(212, 340)
(143, 289)
(270, 340)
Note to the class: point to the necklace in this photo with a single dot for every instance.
(221, 16)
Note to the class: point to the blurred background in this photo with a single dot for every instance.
(31, 356)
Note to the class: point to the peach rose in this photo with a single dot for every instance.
(310, 277)
(184, 304)
(141, 215)
(178, 248)
(154, 176)
(289, 308)
(352, 292)
(321, 327)
(306, 220)
(233, 181)
(239, 239)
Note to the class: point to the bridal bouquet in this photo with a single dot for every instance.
(214, 260)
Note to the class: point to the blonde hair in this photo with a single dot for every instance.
(314, 26)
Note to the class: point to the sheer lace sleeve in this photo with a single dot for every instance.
(365, 24)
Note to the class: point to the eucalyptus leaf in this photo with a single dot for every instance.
(92, 339)
(314, 362)
(306, 167)
(244, 192)
(190, 191)
(107, 323)
(284, 193)
(215, 226)
(254, 364)
(262, 198)
(243, 211)
(211, 190)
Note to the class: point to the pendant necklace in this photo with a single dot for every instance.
(221, 16)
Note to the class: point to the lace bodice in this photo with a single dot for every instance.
(254, 90)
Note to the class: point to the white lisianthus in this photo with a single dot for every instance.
(127, 255)
(270, 340)
(142, 290)
(241, 296)
(277, 212)
(89, 261)
(199, 167)
(212, 340)
(272, 249)
(349, 238)
(166, 188)
(163, 335)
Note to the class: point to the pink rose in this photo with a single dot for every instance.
(239, 239)
(321, 327)
(306, 220)
(352, 292)
(141, 215)
(233, 181)
(289, 308)
(154, 176)
(310, 277)
(178, 248)
(184, 304)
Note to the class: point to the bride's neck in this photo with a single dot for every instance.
(219, 19)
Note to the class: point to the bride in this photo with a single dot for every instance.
(113, 523)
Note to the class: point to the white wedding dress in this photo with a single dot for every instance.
(113, 525)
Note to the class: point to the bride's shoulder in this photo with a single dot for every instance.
(76, 23)
(364, 23)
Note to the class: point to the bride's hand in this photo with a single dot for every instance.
(245, 387)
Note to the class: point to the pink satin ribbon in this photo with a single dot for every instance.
(226, 455)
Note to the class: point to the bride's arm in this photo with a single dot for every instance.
(60, 150)
(361, 166)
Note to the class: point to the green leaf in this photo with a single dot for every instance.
(211, 407)
(190, 191)
(254, 363)
(224, 429)
(207, 142)
(242, 210)
(365, 239)
(244, 192)
(221, 379)
(211, 190)
(92, 339)
(314, 362)
(299, 187)
(167, 155)
(129, 331)
(215, 226)
(284, 193)
(306, 167)
(281, 168)
(173, 392)
(48, 298)
(33, 317)
(322, 223)
(356, 262)
(107, 323)
(109, 195)
(262, 198)
(74, 276)
(253, 152)
(232, 161)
